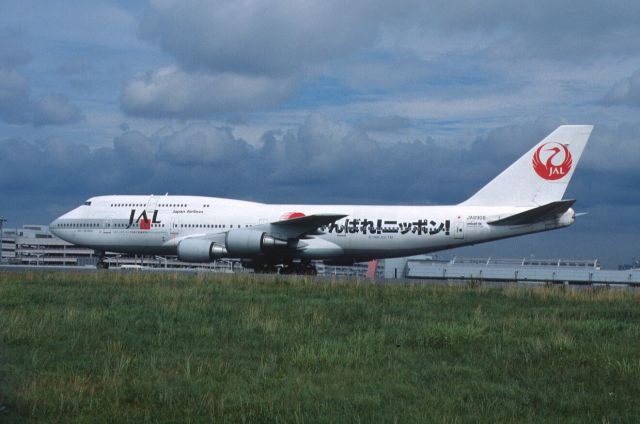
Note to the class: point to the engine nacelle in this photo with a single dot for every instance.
(246, 242)
(197, 250)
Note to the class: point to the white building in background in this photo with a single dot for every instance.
(35, 245)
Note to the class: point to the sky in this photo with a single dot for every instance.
(360, 102)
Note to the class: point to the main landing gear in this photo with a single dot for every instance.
(265, 268)
(102, 264)
(300, 268)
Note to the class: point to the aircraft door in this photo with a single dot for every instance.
(107, 226)
(151, 205)
(174, 225)
(458, 229)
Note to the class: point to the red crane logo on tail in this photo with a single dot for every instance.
(552, 161)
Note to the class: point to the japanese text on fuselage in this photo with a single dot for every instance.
(379, 226)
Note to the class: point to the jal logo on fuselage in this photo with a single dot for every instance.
(142, 221)
(552, 161)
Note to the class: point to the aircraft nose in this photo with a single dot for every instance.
(53, 226)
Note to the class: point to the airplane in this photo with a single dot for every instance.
(525, 198)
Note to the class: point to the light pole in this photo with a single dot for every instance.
(2, 221)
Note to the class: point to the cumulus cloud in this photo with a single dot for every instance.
(405, 48)
(322, 160)
(18, 107)
(14, 93)
(203, 145)
(54, 109)
(243, 55)
(275, 37)
(171, 92)
(17, 104)
(278, 37)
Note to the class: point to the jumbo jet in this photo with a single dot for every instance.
(525, 198)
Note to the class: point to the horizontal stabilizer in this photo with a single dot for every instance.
(541, 213)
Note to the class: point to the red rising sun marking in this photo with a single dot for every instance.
(145, 224)
(551, 169)
(291, 215)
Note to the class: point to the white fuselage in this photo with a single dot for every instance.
(157, 224)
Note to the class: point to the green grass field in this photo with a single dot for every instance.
(217, 348)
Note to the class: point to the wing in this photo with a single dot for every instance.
(301, 226)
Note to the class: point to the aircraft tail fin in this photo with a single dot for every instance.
(541, 175)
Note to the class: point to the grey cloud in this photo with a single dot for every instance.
(239, 57)
(14, 93)
(322, 160)
(390, 123)
(614, 148)
(260, 47)
(274, 37)
(18, 107)
(53, 166)
(203, 145)
(545, 15)
(565, 30)
(625, 92)
(54, 109)
(17, 104)
(171, 92)
(280, 38)
(505, 143)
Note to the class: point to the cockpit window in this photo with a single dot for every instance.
(87, 203)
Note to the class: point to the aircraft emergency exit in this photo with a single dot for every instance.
(525, 198)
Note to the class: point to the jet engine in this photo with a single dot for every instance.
(198, 250)
(246, 242)
(239, 243)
